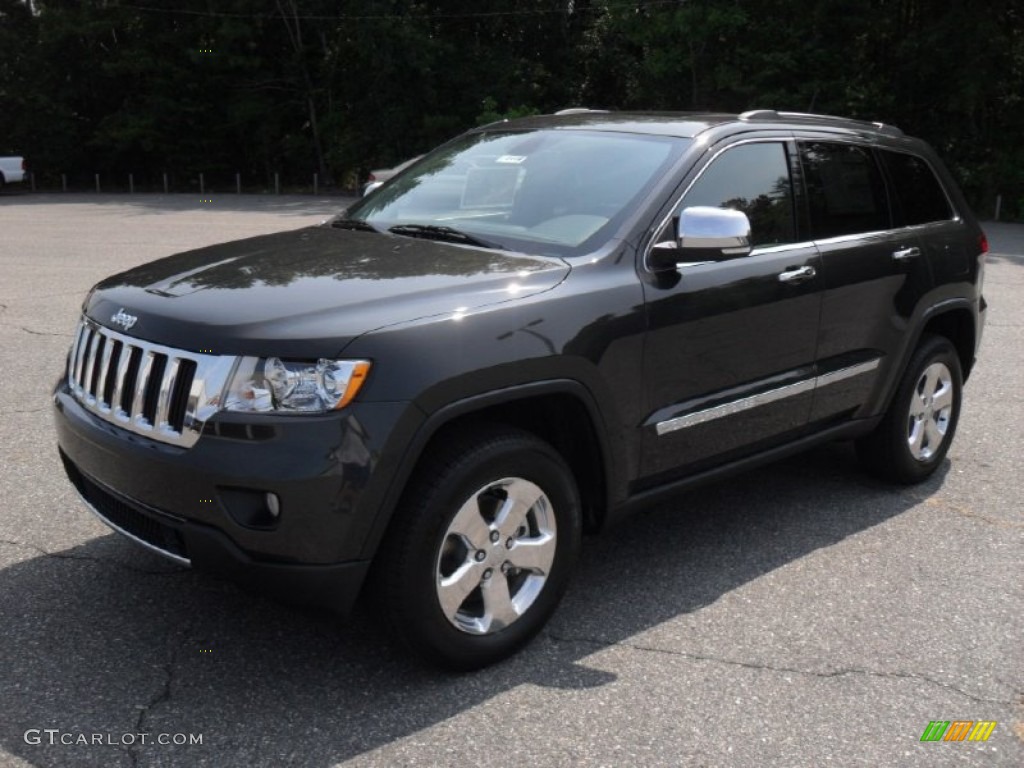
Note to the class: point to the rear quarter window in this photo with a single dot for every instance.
(919, 197)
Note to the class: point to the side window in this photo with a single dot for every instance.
(919, 195)
(753, 178)
(845, 191)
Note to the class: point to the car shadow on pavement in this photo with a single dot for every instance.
(105, 638)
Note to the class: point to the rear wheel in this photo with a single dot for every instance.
(913, 437)
(480, 553)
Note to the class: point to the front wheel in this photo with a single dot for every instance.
(480, 552)
(914, 435)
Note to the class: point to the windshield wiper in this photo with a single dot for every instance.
(362, 226)
(438, 232)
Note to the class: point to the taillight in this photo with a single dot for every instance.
(982, 258)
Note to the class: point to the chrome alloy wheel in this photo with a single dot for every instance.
(931, 407)
(496, 556)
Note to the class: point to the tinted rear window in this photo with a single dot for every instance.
(919, 198)
(845, 190)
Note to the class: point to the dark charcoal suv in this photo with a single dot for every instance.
(537, 328)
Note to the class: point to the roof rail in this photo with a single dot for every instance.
(771, 114)
(759, 114)
(579, 111)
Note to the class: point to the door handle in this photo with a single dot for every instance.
(906, 253)
(797, 274)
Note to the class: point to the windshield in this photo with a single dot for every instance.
(551, 192)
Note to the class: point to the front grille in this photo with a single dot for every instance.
(160, 392)
(126, 518)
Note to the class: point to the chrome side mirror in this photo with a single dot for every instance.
(704, 233)
(717, 229)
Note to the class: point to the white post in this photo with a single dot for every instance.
(277, 183)
(97, 182)
(238, 183)
(131, 183)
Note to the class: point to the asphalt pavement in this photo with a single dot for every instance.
(800, 615)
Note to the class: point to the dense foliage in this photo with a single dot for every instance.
(336, 87)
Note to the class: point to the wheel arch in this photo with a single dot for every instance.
(561, 412)
(957, 324)
(953, 319)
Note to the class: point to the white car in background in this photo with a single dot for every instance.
(12, 170)
(381, 175)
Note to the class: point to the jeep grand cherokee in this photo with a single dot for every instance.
(535, 329)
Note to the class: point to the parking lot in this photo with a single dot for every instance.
(800, 615)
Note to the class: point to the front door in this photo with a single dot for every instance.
(729, 358)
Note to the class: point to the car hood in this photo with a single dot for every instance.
(308, 292)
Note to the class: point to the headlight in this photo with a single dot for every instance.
(285, 386)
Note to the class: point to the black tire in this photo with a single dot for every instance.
(452, 500)
(912, 439)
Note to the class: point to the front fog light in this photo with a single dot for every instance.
(273, 504)
(251, 507)
(288, 386)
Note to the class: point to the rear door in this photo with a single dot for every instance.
(920, 203)
(729, 353)
(872, 274)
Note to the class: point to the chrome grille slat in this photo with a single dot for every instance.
(163, 403)
(184, 392)
(140, 389)
(110, 374)
(75, 361)
(97, 356)
(101, 382)
(119, 377)
(90, 363)
(151, 399)
(83, 354)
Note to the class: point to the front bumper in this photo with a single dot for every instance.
(195, 505)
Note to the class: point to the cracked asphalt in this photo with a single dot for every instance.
(800, 615)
